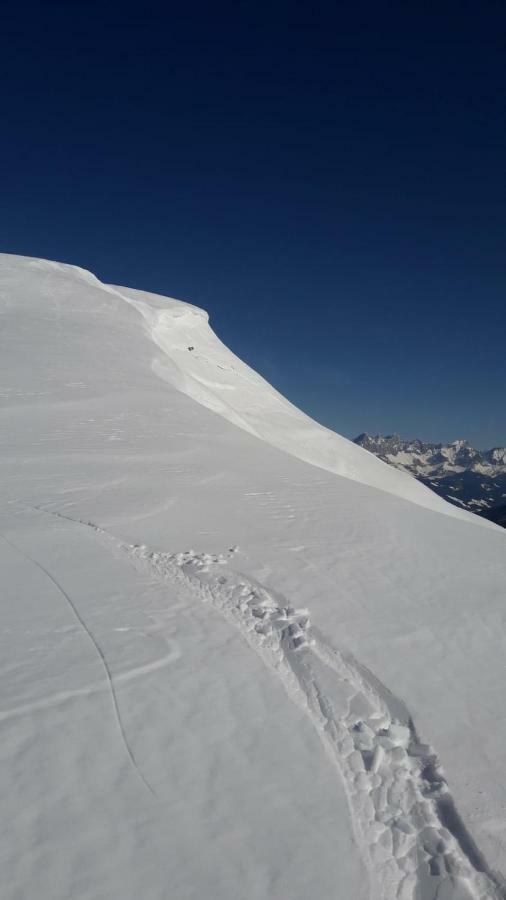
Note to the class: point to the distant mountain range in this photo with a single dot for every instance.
(472, 479)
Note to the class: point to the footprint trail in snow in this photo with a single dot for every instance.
(403, 816)
(404, 819)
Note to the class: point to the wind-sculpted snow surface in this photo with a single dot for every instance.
(413, 841)
(405, 821)
(197, 362)
(146, 750)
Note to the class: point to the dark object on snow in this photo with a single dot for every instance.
(191, 348)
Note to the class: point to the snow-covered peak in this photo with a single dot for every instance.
(432, 458)
(475, 479)
(496, 456)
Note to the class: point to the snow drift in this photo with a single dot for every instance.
(212, 375)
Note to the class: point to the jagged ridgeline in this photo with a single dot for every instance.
(469, 478)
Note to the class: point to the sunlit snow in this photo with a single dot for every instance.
(241, 658)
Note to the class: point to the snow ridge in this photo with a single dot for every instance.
(196, 362)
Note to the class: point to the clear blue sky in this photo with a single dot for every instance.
(328, 180)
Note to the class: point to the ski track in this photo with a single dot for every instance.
(413, 841)
(99, 652)
(56, 699)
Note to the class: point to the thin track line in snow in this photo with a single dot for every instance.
(98, 651)
(51, 700)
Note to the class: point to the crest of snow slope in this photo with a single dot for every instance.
(211, 374)
(308, 703)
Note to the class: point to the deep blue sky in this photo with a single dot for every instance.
(327, 179)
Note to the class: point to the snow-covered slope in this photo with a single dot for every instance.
(195, 361)
(226, 672)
